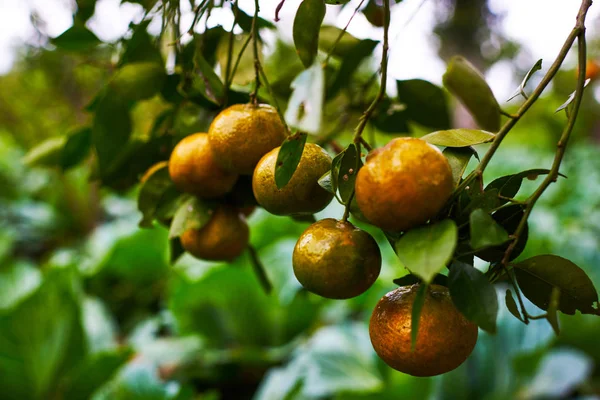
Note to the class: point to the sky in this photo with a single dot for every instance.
(540, 25)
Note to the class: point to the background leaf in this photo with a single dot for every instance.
(425, 103)
(485, 231)
(192, 214)
(349, 166)
(307, 24)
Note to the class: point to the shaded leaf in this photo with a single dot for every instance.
(111, 130)
(458, 137)
(176, 250)
(329, 34)
(485, 231)
(391, 117)
(458, 158)
(288, 158)
(77, 38)
(410, 279)
(325, 182)
(464, 81)
(425, 103)
(307, 24)
(537, 276)
(508, 218)
(512, 305)
(76, 148)
(349, 166)
(212, 83)
(141, 47)
(415, 315)
(305, 107)
(192, 214)
(48, 153)
(473, 295)
(335, 172)
(138, 81)
(245, 21)
(426, 250)
(155, 188)
(85, 9)
(521, 89)
(350, 64)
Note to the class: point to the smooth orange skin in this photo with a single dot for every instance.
(403, 184)
(241, 134)
(336, 260)
(223, 238)
(444, 341)
(193, 169)
(302, 194)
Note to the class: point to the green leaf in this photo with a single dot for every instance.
(537, 276)
(391, 117)
(473, 295)
(305, 107)
(137, 381)
(94, 373)
(350, 64)
(141, 47)
(111, 130)
(521, 89)
(76, 148)
(307, 24)
(508, 218)
(138, 81)
(329, 34)
(512, 305)
(77, 38)
(41, 339)
(325, 182)
(350, 163)
(85, 9)
(415, 315)
(571, 98)
(464, 81)
(458, 158)
(245, 21)
(508, 186)
(426, 250)
(425, 103)
(211, 81)
(335, 172)
(192, 214)
(48, 153)
(176, 250)
(288, 158)
(458, 137)
(17, 281)
(156, 194)
(485, 231)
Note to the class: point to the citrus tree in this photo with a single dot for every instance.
(208, 126)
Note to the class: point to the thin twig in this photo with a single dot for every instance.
(228, 75)
(257, 67)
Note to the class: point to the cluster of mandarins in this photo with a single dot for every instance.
(401, 186)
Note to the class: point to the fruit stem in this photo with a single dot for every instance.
(259, 270)
(384, 64)
(257, 67)
(342, 32)
(228, 73)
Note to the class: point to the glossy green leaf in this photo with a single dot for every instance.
(48, 153)
(464, 81)
(328, 36)
(349, 166)
(511, 305)
(305, 107)
(485, 231)
(537, 276)
(192, 214)
(425, 103)
(288, 158)
(77, 38)
(473, 295)
(307, 24)
(508, 218)
(458, 158)
(521, 89)
(76, 148)
(458, 137)
(350, 64)
(425, 251)
(138, 81)
(415, 315)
